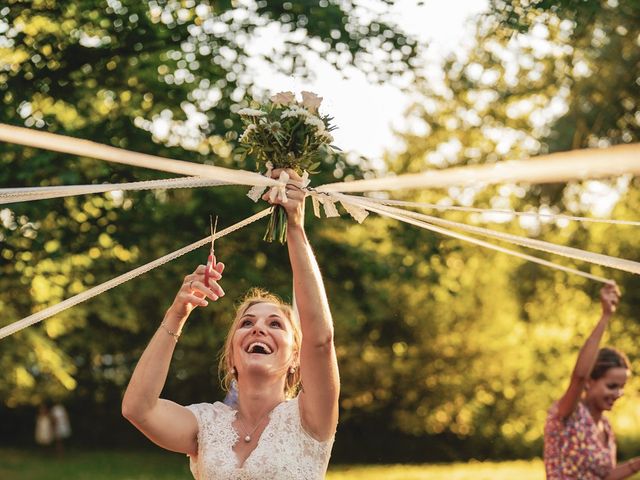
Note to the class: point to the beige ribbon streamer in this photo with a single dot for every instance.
(13, 195)
(280, 192)
(381, 210)
(570, 252)
(85, 148)
(358, 213)
(256, 192)
(328, 203)
(556, 167)
(114, 282)
(550, 216)
(316, 205)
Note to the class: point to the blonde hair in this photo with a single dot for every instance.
(226, 370)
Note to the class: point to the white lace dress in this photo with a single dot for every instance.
(284, 451)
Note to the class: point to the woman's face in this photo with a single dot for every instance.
(263, 341)
(603, 392)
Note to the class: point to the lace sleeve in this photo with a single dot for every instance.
(214, 423)
(199, 411)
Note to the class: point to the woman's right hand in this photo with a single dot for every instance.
(194, 293)
(609, 298)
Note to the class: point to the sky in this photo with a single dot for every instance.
(366, 113)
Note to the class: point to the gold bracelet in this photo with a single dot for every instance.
(175, 335)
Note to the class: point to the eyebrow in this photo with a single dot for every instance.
(251, 315)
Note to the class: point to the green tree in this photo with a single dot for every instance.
(496, 338)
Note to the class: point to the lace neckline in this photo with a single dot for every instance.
(236, 436)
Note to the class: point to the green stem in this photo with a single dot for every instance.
(277, 226)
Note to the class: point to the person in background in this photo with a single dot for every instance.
(44, 435)
(61, 426)
(579, 443)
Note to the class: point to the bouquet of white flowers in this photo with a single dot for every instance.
(286, 133)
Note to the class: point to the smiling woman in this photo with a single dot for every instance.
(260, 307)
(578, 440)
(284, 434)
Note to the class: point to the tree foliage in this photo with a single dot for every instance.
(161, 77)
(492, 341)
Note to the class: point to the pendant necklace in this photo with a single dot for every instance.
(247, 436)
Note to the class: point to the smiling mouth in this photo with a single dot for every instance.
(259, 347)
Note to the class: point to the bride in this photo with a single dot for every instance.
(275, 432)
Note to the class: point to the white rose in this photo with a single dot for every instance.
(311, 101)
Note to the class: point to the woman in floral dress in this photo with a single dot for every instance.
(579, 443)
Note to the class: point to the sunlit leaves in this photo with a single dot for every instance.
(515, 328)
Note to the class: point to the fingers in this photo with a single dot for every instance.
(293, 192)
(610, 289)
(293, 175)
(193, 299)
(610, 297)
(198, 274)
(211, 273)
(194, 289)
(616, 289)
(213, 291)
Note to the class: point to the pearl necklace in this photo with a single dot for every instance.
(247, 436)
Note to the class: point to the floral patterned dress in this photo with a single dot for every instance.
(572, 449)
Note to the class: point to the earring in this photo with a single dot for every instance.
(292, 370)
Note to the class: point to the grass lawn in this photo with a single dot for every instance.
(122, 465)
(92, 465)
(520, 470)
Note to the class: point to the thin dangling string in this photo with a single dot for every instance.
(570, 252)
(401, 216)
(515, 213)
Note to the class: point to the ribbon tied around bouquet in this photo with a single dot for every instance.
(326, 199)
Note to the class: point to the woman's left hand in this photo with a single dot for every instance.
(294, 205)
(609, 298)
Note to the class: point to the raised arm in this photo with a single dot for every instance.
(166, 423)
(609, 296)
(318, 363)
(625, 470)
